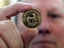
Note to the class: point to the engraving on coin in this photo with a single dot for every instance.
(31, 18)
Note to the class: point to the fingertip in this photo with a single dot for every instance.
(21, 7)
(34, 30)
(30, 33)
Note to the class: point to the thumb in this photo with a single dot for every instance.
(28, 35)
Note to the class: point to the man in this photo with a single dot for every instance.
(49, 34)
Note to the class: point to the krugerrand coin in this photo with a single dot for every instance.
(31, 18)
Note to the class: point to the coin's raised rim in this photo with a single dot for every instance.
(32, 10)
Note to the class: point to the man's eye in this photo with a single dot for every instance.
(53, 15)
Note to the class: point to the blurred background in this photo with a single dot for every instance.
(7, 2)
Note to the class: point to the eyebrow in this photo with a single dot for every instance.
(54, 10)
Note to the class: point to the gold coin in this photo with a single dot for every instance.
(31, 18)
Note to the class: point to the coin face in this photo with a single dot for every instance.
(31, 18)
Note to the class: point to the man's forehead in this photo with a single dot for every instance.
(42, 0)
(48, 1)
(58, 4)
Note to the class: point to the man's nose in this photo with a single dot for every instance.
(44, 27)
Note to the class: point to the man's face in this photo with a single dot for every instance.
(51, 29)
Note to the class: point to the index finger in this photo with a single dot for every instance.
(14, 9)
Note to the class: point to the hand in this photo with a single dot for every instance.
(9, 35)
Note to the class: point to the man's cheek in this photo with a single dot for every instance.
(58, 31)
